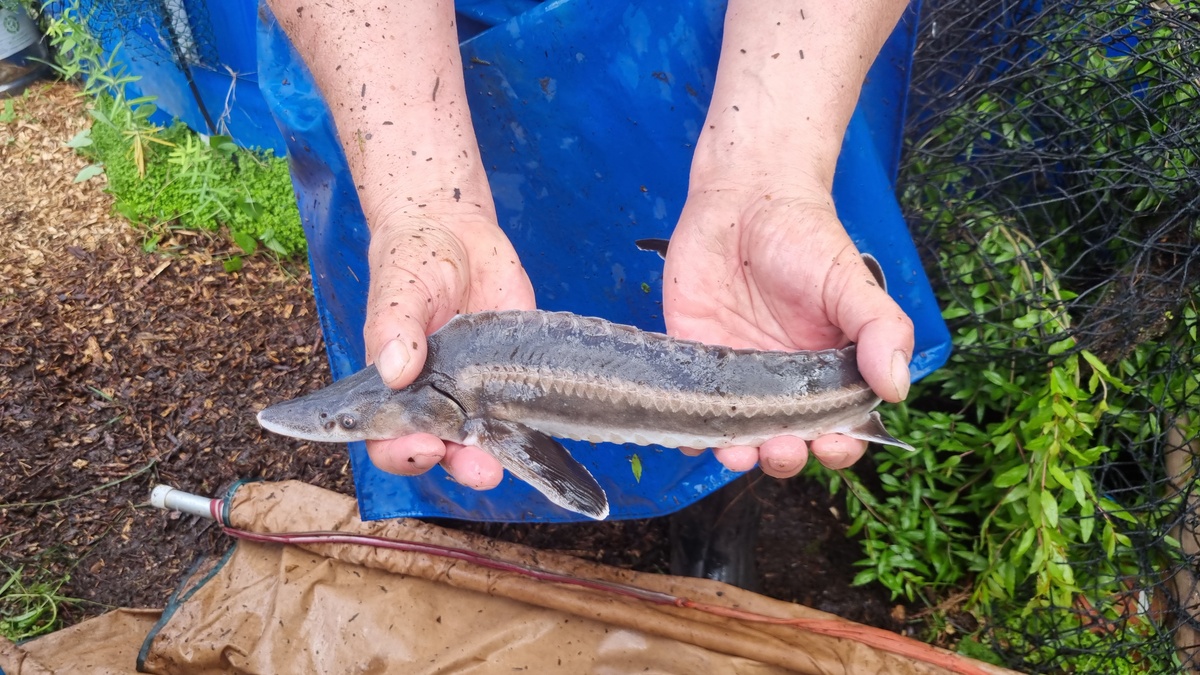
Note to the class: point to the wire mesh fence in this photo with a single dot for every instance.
(157, 31)
(171, 33)
(1051, 180)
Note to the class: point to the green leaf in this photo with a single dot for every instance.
(635, 463)
(1025, 543)
(88, 172)
(1061, 477)
(1087, 521)
(275, 246)
(245, 241)
(1049, 508)
(99, 115)
(1100, 368)
(1011, 477)
(1108, 538)
(151, 243)
(81, 139)
(1081, 493)
(249, 208)
(127, 210)
(234, 264)
(865, 577)
(1116, 510)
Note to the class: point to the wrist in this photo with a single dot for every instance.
(436, 217)
(754, 163)
(449, 192)
(787, 83)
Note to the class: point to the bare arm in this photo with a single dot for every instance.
(392, 77)
(789, 78)
(759, 258)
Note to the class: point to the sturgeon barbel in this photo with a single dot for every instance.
(509, 381)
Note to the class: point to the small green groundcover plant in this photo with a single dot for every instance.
(29, 602)
(171, 177)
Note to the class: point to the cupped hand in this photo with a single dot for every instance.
(424, 270)
(751, 267)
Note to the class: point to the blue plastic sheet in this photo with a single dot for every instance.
(218, 50)
(586, 113)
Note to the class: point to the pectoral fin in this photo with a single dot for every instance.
(873, 430)
(542, 462)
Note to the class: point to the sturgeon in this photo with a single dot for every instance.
(510, 382)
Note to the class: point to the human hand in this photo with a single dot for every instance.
(424, 270)
(759, 258)
(750, 267)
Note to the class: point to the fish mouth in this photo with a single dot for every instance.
(278, 419)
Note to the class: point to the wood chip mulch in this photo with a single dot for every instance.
(122, 368)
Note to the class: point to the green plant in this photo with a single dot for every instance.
(1001, 496)
(171, 176)
(104, 80)
(1076, 643)
(29, 606)
(989, 495)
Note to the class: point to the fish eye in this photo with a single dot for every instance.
(347, 421)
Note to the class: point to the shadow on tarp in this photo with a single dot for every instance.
(586, 114)
(337, 608)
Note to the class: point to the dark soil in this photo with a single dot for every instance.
(121, 369)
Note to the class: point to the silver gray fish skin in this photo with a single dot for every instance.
(508, 381)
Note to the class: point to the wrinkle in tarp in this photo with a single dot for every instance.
(354, 609)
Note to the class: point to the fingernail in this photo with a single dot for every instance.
(392, 361)
(901, 379)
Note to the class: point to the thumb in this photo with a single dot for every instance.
(885, 347)
(402, 354)
(400, 308)
(412, 290)
(881, 330)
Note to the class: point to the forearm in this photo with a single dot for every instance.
(392, 77)
(789, 77)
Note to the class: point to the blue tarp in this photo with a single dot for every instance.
(586, 113)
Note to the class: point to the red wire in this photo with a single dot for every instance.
(875, 637)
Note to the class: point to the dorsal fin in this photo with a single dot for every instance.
(876, 270)
(654, 245)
